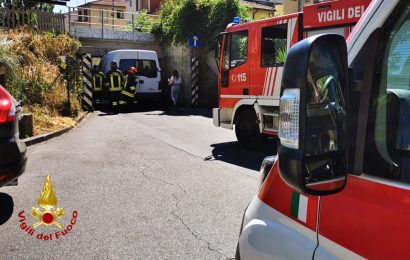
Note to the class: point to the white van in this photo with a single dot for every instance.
(149, 72)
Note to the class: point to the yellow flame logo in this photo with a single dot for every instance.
(47, 200)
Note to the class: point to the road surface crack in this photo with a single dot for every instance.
(177, 207)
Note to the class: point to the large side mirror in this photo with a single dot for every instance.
(312, 126)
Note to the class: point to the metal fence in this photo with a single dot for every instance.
(113, 20)
(40, 20)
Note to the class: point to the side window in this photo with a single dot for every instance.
(227, 51)
(390, 132)
(238, 49)
(274, 45)
(147, 68)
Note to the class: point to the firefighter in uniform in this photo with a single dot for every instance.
(98, 85)
(128, 93)
(115, 81)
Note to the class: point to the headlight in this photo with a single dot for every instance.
(289, 118)
(266, 167)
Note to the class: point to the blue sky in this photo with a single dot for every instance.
(71, 3)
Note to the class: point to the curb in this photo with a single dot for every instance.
(44, 137)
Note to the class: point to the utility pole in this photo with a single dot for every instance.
(300, 5)
(112, 14)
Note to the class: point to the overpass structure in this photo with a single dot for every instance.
(101, 30)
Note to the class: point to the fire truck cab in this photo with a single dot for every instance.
(251, 57)
(340, 185)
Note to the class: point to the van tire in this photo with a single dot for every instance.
(247, 129)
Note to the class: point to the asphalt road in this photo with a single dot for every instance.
(143, 185)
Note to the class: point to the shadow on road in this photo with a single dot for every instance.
(6, 207)
(234, 153)
(155, 110)
(184, 111)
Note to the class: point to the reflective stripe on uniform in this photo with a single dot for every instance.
(127, 93)
(113, 86)
(97, 82)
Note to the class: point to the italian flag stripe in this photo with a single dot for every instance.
(299, 206)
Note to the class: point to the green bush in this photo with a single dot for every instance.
(181, 18)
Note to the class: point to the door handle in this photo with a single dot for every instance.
(245, 91)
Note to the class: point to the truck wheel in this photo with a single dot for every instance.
(247, 129)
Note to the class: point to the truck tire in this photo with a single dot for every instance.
(247, 129)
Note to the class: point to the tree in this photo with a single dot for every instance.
(181, 18)
(26, 4)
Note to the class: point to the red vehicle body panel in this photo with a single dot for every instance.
(359, 209)
(278, 195)
(334, 13)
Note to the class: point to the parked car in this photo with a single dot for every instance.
(13, 155)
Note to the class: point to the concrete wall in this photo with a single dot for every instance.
(110, 34)
(98, 47)
(179, 58)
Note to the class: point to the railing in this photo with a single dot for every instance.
(103, 23)
(40, 20)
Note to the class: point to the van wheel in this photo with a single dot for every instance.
(247, 129)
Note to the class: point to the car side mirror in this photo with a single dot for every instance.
(312, 127)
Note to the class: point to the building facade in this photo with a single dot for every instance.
(103, 12)
(259, 11)
(151, 6)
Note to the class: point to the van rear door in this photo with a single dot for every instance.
(148, 72)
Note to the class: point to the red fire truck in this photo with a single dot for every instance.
(251, 56)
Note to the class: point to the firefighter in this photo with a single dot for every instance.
(115, 81)
(98, 85)
(128, 93)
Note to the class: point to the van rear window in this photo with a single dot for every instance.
(146, 68)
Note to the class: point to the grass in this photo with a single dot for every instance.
(46, 122)
(34, 75)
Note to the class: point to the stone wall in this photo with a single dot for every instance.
(179, 58)
(110, 34)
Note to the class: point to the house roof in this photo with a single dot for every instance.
(254, 5)
(120, 3)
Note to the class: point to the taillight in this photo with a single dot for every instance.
(7, 107)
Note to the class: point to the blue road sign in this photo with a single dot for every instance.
(194, 41)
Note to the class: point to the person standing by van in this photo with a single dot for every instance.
(175, 83)
(98, 84)
(130, 87)
(115, 82)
